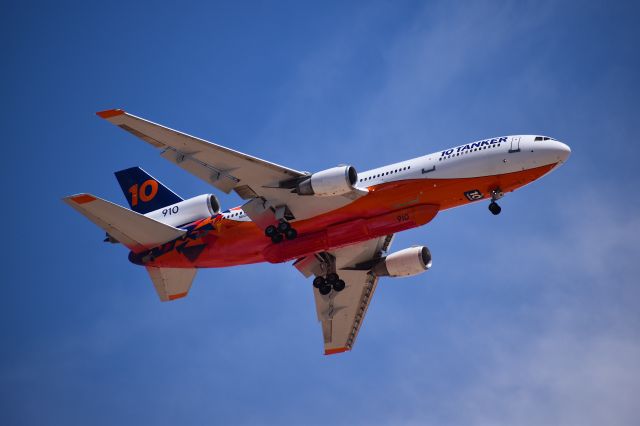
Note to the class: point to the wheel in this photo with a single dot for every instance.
(277, 238)
(332, 277)
(283, 227)
(494, 208)
(319, 282)
(270, 231)
(291, 234)
(324, 290)
(339, 285)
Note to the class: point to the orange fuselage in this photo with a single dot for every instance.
(387, 208)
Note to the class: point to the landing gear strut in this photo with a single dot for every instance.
(496, 194)
(279, 232)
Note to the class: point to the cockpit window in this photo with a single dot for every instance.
(543, 138)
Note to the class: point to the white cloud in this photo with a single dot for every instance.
(570, 357)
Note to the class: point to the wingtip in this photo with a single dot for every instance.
(335, 351)
(177, 296)
(81, 198)
(108, 113)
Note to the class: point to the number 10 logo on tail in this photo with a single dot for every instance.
(145, 192)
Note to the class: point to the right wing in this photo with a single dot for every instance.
(217, 165)
(266, 184)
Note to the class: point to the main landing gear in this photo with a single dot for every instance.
(331, 282)
(279, 232)
(496, 194)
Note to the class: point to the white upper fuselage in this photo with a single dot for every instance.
(487, 157)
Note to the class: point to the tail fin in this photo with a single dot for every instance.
(144, 193)
(132, 229)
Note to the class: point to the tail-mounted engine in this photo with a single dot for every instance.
(187, 211)
(404, 263)
(334, 181)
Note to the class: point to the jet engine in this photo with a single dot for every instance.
(187, 211)
(404, 263)
(334, 181)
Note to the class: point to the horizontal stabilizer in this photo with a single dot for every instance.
(132, 229)
(171, 283)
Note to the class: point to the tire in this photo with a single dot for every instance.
(339, 285)
(284, 227)
(291, 234)
(270, 231)
(332, 277)
(319, 282)
(324, 290)
(277, 238)
(494, 208)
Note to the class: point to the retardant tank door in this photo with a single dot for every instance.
(515, 144)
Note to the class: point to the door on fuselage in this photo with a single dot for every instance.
(515, 144)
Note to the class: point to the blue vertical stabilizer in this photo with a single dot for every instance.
(144, 193)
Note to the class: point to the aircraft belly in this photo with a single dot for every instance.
(388, 208)
(351, 232)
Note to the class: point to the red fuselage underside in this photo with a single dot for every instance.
(388, 208)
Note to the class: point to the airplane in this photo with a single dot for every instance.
(336, 225)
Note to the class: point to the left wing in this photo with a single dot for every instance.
(341, 313)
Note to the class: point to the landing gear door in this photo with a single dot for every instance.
(260, 212)
(515, 144)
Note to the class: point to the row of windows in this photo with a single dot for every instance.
(236, 214)
(467, 152)
(386, 173)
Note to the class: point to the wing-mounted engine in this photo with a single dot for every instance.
(187, 211)
(404, 263)
(334, 181)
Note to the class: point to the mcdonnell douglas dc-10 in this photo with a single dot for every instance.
(336, 224)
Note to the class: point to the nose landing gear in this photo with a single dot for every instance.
(279, 232)
(496, 194)
(495, 208)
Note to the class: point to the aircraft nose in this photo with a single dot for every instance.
(562, 151)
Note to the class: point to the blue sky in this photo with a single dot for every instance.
(527, 318)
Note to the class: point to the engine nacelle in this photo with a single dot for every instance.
(334, 181)
(187, 211)
(404, 263)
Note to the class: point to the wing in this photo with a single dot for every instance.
(226, 169)
(341, 313)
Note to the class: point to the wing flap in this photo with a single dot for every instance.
(132, 229)
(216, 177)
